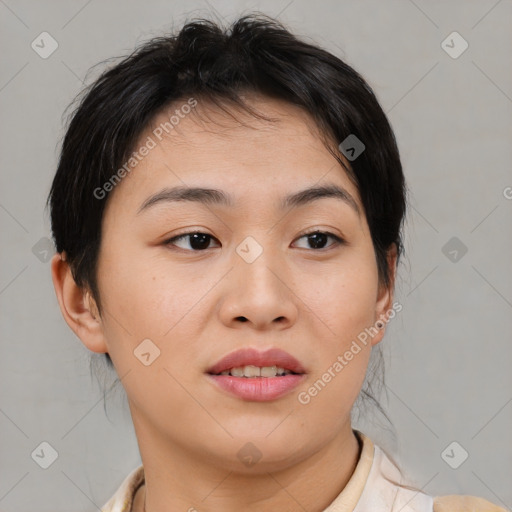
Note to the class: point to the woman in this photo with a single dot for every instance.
(227, 214)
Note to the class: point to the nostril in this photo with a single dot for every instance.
(242, 319)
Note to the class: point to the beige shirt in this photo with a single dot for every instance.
(375, 486)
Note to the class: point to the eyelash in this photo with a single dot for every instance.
(338, 240)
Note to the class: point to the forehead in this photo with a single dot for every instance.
(208, 146)
(248, 137)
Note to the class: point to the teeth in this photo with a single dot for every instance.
(256, 371)
(251, 371)
(237, 372)
(269, 371)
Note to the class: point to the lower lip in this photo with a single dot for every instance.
(258, 389)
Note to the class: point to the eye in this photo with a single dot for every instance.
(197, 240)
(318, 239)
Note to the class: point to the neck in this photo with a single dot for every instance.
(311, 483)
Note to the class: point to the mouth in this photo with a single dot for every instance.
(257, 376)
(251, 363)
(250, 371)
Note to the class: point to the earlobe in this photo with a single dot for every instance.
(77, 306)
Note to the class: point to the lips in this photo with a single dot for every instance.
(248, 356)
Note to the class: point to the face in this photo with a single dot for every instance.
(256, 276)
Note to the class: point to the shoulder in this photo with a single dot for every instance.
(457, 503)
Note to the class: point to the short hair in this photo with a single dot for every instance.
(257, 54)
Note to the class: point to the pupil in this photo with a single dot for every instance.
(316, 237)
(199, 241)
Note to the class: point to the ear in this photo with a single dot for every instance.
(77, 306)
(385, 297)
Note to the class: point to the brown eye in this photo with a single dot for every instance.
(318, 239)
(197, 241)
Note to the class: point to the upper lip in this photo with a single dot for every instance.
(250, 356)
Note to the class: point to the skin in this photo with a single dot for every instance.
(189, 303)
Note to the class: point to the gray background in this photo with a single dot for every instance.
(448, 353)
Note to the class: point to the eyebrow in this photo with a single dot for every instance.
(219, 197)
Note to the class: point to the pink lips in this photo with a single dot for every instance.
(257, 389)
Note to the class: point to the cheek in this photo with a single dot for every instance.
(343, 303)
(139, 300)
(344, 307)
(343, 296)
(147, 298)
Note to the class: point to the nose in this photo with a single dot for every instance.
(259, 295)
